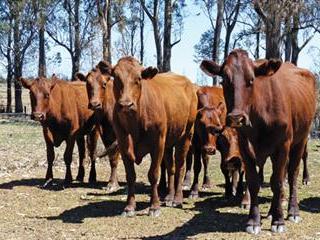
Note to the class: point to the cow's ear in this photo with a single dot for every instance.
(25, 82)
(105, 67)
(266, 67)
(54, 80)
(149, 72)
(80, 76)
(210, 68)
(221, 108)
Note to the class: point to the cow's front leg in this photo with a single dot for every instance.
(254, 221)
(68, 159)
(194, 192)
(187, 179)
(113, 184)
(50, 156)
(92, 140)
(279, 163)
(206, 180)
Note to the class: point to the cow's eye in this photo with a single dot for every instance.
(104, 85)
(46, 95)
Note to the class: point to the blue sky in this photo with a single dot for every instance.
(182, 54)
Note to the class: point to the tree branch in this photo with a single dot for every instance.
(259, 10)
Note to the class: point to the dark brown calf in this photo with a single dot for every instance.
(61, 108)
(154, 113)
(273, 105)
(101, 100)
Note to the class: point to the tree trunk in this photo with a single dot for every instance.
(217, 34)
(294, 39)
(156, 33)
(9, 71)
(287, 43)
(17, 63)
(166, 66)
(257, 51)
(42, 70)
(77, 45)
(141, 35)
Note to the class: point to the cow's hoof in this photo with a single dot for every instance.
(67, 183)
(278, 228)
(169, 203)
(294, 219)
(154, 212)
(80, 176)
(185, 187)
(92, 179)
(177, 204)
(253, 229)
(269, 216)
(206, 186)
(245, 206)
(47, 184)
(112, 187)
(306, 182)
(128, 213)
(193, 195)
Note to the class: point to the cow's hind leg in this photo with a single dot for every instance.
(181, 152)
(82, 156)
(187, 179)
(154, 176)
(293, 172)
(306, 178)
(169, 163)
(68, 159)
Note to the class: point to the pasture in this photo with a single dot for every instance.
(88, 212)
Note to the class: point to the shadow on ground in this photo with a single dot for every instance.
(311, 205)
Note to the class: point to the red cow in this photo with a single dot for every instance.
(153, 113)
(273, 105)
(61, 108)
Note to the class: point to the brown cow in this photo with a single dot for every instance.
(273, 105)
(101, 100)
(153, 113)
(61, 108)
(209, 123)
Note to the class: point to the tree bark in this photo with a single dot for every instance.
(294, 39)
(77, 44)
(106, 25)
(287, 43)
(257, 50)
(17, 62)
(141, 35)
(42, 69)
(167, 36)
(217, 35)
(9, 71)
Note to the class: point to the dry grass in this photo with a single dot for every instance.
(83, 212)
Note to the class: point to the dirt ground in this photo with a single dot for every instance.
(88, 212)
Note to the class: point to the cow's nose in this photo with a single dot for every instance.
(237, 120)
(125, 103)
(209, 149)
(95, 105)
(38, 116)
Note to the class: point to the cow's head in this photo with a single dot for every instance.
(128, 76)
(96, 83)
(239, 73)
(209, 126)
(40, 91)
(228, 145)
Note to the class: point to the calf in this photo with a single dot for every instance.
(61, 108)
(154, 113)
(101, 100)
(209, 123)
(273, 105)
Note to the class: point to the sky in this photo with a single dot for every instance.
(182, 62)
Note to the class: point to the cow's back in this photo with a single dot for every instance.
(170, 98)
(291, 97)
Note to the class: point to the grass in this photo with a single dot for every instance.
(84, 212)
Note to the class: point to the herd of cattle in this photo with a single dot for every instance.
(264, 109)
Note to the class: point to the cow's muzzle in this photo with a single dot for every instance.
(38, 116)
(95, 105)
(209, 149)
(238, 119)
(126, 105)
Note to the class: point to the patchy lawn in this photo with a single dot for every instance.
(84, 212)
